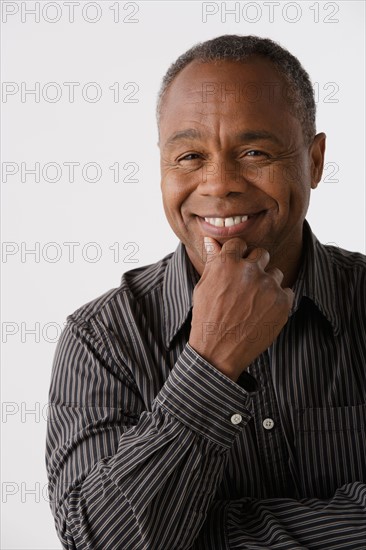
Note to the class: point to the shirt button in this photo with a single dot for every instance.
(236, 418)
(268, 423)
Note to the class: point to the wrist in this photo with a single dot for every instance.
(231, 372)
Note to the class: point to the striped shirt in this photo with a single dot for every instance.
(149, 447)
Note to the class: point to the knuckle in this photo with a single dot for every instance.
(258, 253)
(250, 270)
(269, 282)
(276, 272)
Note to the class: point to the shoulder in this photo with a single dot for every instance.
(135, 285)
(349, 264)
(348, 275)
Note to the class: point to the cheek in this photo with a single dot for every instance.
(173, 197)
(288, 184)
(271, 180)
(174, 191)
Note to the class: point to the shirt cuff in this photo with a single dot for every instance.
(204, 399)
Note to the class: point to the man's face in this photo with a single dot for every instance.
(231, 148)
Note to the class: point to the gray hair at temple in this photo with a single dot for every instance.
(300, 93)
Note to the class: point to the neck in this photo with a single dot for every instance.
(288, 259)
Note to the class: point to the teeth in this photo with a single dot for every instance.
(226, 222)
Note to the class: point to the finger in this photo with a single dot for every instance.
(234, 248)
(276, 274)
(260, 256)
(290, 293)
(212, 248)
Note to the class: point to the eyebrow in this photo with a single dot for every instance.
(190, 133)
(257, 135)
(248, 135)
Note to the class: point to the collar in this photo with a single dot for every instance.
(315, 280)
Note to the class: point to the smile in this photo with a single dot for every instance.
(229, 226)
(226, 222)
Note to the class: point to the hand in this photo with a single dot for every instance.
(239, 308)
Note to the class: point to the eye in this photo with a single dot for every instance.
(255, 153)
(190, 156)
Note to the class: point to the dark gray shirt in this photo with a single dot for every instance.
(150, 447)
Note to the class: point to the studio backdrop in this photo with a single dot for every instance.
(81, 200)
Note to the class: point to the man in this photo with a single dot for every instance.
(216, 399)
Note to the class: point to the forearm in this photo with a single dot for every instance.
(287, 524)
(119, 480)
(154, 493)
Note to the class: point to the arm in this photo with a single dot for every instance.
(121, 476)
(311, 524)
(277, 523)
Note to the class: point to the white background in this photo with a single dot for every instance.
(39, 293)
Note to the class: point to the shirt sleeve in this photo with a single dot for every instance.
(288, 524)
(121, 476)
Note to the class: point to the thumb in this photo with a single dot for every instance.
(212, 248)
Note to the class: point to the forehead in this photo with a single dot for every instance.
(255, 70)
(226, 91)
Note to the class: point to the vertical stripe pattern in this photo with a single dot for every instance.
(149, 447)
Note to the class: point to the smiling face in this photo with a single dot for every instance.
(233, 160)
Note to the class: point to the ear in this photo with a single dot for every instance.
(316, 152)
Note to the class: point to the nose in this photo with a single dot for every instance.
(222, 177)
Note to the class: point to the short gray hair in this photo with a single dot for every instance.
(240, 48)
